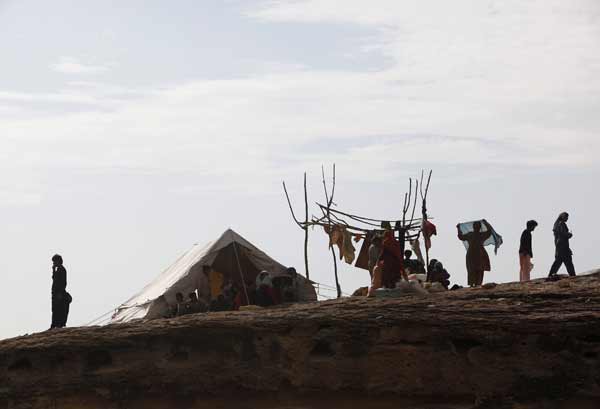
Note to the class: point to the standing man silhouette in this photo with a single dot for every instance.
(563, 254)
(60, 297)
(526, 252)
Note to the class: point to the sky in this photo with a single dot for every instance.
(131, 130)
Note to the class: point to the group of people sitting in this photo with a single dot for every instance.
(225, 295)
(387, 267)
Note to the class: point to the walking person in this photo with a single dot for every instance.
(526, 252)
(61, 299)
(478, 260)
(563, 254)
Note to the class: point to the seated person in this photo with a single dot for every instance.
(278, 289)
(295, 290)
(179, 307)
(413, 266)
(194, 305)
(439, 275)
(220, 304)
(264, 289)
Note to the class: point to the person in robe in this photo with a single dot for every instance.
(526, 252)
(392, 258)
(563, 254)
(61, 299)
(478, 260)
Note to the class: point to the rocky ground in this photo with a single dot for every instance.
(534, 345)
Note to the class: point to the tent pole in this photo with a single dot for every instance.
(240, 270)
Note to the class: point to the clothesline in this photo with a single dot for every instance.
(361, 219)
(320, 222)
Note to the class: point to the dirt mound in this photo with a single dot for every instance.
(511, 345)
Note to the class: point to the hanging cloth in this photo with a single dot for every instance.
(362, 261)
(347, 246)
(415, 245)
(495, 239)
(341, 238)
(429, 230)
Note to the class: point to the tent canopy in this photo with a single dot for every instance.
(232, 255)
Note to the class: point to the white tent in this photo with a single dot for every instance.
(232, 255)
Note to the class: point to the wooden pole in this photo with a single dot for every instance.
(306, 229)
(335, 270)
(329, 200)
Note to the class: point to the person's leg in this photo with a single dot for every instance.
(555, 266)
(471, 275)
(55, 313)
(522, 273)
(479, 278)
(569, 265)
(65, 314)
(527, 268)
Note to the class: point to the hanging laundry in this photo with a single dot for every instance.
(342, 238)
(429, 230)
(348, 247)
(335, 236)
(415, 245)
(362, 261)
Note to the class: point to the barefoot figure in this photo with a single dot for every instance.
(478, 259)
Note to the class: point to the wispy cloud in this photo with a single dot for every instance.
(498, 86)
(72, 65)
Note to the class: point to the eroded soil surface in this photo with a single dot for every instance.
(533, 345)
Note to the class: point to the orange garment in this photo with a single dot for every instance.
(216, 284)
(393, 260)
(526, 267)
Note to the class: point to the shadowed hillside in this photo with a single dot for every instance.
(513, 345)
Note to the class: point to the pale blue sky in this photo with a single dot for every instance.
(131, 130)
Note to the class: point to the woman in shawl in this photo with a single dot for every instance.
(392, 258)
(478, 259)
(563, 254)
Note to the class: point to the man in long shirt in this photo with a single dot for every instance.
(60, 297)
(563, 254)
(526, 252)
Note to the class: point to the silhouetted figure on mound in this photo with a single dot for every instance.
(526, 252)
(61, 299)
(563, 254)
(478, 260)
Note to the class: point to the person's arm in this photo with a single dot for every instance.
(461, 236)
(525, 247)
(486, 234)
(563, 231)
